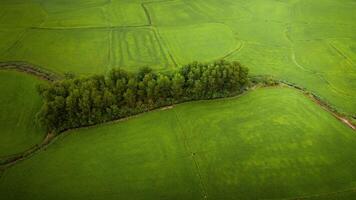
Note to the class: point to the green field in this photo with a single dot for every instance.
(271, 143)
(240, 148)
(19, 103)
(310, 43)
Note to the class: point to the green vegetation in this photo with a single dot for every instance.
(19, 103)
(310, 43)
(96, 99)
(199, 42)
(122, 57)
(238, 148)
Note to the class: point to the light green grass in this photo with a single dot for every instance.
(19, 103)
(125, 13)
(203, 42)
(77, 51)
(266, 144)
(173, 13)
(87, 17)
(112, 14)
(134, 48)
(57, 6)
(308, 43)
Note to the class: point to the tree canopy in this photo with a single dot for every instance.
(83, 101)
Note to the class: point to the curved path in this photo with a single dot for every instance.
(30, 69)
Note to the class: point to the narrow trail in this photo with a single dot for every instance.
(306, 69)
(89, 27)
(30, 69)
(237, 49)
(156, 33)
(193, 155)
(163, 46)
(341, 54)
(148, 16)
(323, 105)
(10, 161)
(19, 39)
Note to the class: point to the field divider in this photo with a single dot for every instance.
(156, 33)
(163, 46)
(342, 54)
(30, 69)
(342, 117)
(90, 27)
(19, 39)
(10, 161)
(235, 50)
(148, 16)
(324, 105)
(189, 149)
(306, 69)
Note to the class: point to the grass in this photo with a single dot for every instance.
(186, 42)
(64, 50)
(239, 148)
(102, 14)
(19, 102)
(139, 47)
(309, 43)
(20, 14)
(270, 143)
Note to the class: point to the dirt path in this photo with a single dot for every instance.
(338, 116)
(30, 69)
(323, 105)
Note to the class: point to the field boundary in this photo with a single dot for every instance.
(89, 27)
(322, 103)
(235, 50)
(5, 162)
(30, 69)
(164, 48)
(193, 154)
(156, 33)
(148, 16)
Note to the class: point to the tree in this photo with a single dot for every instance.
(163, 87)
(177, 86)
(130, 98)
(142, 72)
(81, 101)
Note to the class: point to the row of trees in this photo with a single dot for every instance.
(77, 102)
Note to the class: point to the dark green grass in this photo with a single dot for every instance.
(19, 103)
(267, 144)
